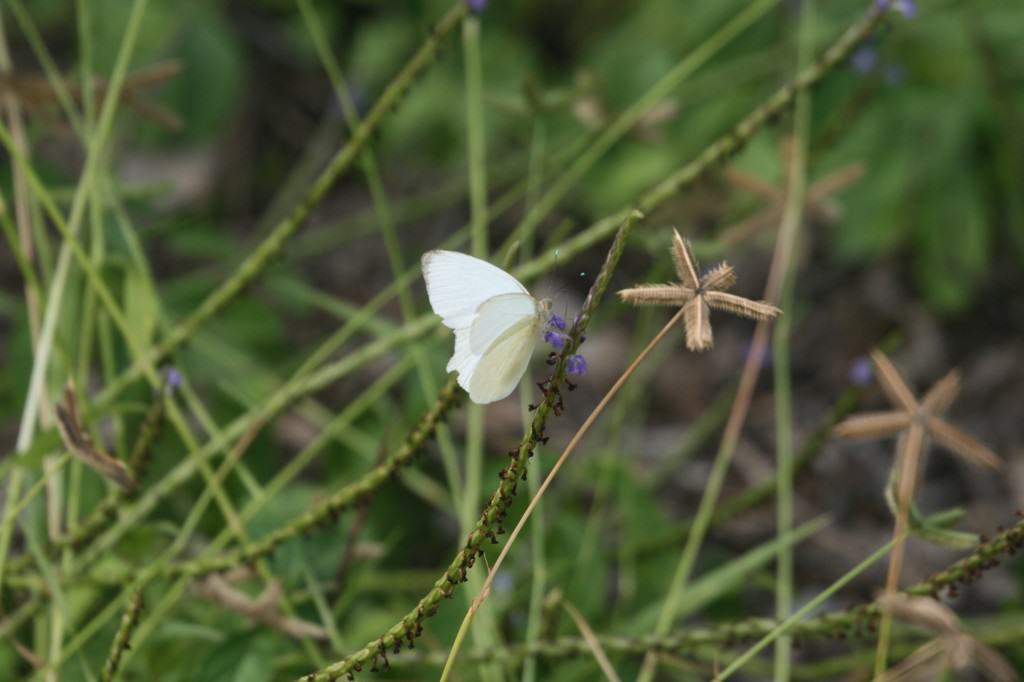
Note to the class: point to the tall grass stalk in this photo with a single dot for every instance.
(386, 223)
(788, 624)
(96, 334)
(23, 206)
(44, 346)
(834, 55)
(54, 79)
(538, 535)
(486, 632)
(792, 217)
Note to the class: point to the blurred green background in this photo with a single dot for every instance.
(921, 131)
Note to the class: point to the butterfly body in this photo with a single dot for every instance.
(495, 319)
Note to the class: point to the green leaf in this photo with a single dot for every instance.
(934, 528)
(242, 658)
(209, 87)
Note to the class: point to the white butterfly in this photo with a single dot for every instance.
(495, 319)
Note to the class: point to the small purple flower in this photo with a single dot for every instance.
(558, 322)
(173, 378)
(556, 340)
(864, 59)
(476, 5)
(861, 372)
(907, 8)
(576, 364)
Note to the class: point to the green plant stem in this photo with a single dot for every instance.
(44, 346)
(32, 286)
(485, 632)
(327, 510)
(36, 488)
(475, 138)
(95, 331)
(538, 558)
(478, 246)
(24, 207)
(792, 218)
(122, 639)
(788, 624)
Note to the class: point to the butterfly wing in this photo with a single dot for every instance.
(494, 318)
(458, 284)
(501, 367)
(496, 315)
(497, 319)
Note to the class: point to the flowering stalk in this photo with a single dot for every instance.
(490, 523)
(122, 639)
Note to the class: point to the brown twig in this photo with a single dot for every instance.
(264, 609)
(77, 440)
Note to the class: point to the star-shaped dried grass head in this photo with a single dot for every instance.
(914, 420)
(953, 647)
(698, 295)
